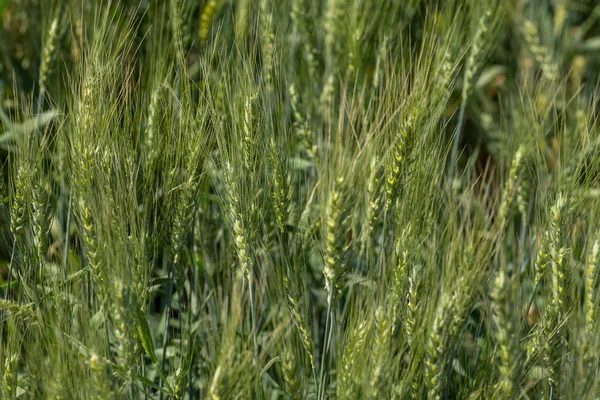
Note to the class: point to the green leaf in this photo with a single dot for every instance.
(301, 163)
(148, 345)
(13, 285)
(3, 5)
(5, 120)
(591, 45)
(74, 277)
(35, 122)
(489, 75)
(14, 131)
(97, 320)
(303, 222)
(269, 364)
(147, 382)
(145, 335)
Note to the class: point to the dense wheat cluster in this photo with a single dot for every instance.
(299, 199)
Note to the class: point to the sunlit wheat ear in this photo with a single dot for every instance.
(296, 13)
(559, 281)
(506, 334)
(378, 74)
(301, 127)
(472, 66)
(435, 362)
(206, 19)
(381, 348)
(298, 307)
(354, 53)
(446, 72)
(549, 336)
(49, 51)
(540, 53)
(558, 215)
(182, 218)
(101, 376)
(176, 24)
(550, 247)
(82, 184)
(411, 312)
(9, 379)
(290, 374)
(216, 385)
(401, 278)
(542, 260)
(471, 69)
(40, 222)
(398, 163)
(91, 245)
(233, 358)
(350, 363)
(251, 114)
(336, 231)
(510, 188)
(375, 201)
(267, 38)
(585, 343)
(18, 214)
(124, 324)
(590, 287)
(334, 30)
(27, 314)
(300, 30)
(182, 375)
(152, 125)
(461, 300)
(523, 200)
(179, 382)
(241, 244)
(583, 126)
(299, 120)
(295, 104)
(280, 191)
(244, 21)
(328, 97)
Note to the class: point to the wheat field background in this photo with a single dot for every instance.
(299, 199)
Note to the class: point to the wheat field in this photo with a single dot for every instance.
(299, 199)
